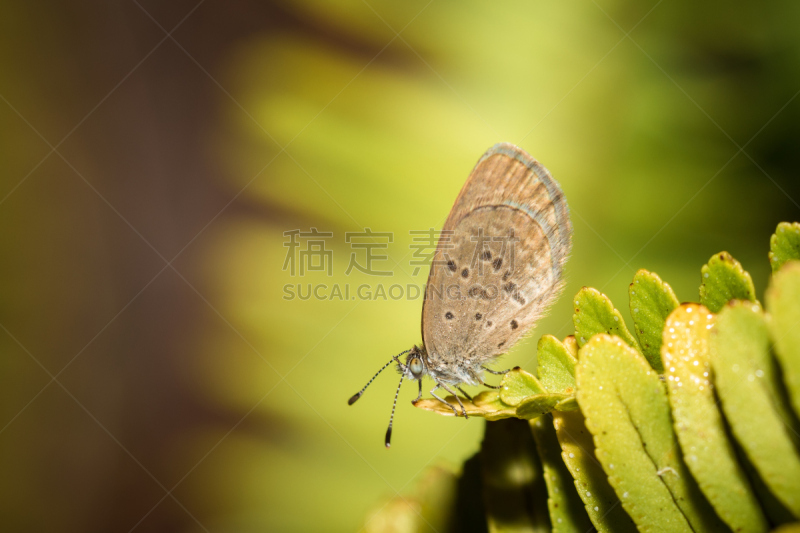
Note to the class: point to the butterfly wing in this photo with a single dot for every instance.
(499, 261)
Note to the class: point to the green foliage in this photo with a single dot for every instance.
(692, 427)
(537, 405)
(651, 301)
(782, 298)
(567, 513)
(556, 365)
(578, 452)
(594, 313)
(784, 245)
(723, 280)
(520, 395)
(627, 411)
(746, 378)
(698, 422)
(518, 385)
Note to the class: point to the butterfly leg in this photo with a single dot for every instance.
(419, 396)
(496, 372)
(455, 411)
(464, 411)
(467, 396)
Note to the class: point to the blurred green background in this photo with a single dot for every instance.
(153, 154)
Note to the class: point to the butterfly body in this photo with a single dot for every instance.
(449, 371)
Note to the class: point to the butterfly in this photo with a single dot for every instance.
(497, 268)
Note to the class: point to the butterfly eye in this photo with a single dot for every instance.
(415, 365)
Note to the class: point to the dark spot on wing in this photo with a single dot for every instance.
(510, 286)
(514, 324)
(488, 323)
(497, 263)
(478, 292)
(449, 316)
(487, 255)
(501, 344)
(506, 275)
(519, 298)
(451, 265)
(478, 316)
(465, 273)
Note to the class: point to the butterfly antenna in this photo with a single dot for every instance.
(357, 395)
(391, 418)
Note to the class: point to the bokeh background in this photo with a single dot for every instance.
(152, 155)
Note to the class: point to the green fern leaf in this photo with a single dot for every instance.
(595, 314)
(628, 414)
(784, 245)
(567, 514)
(783, 303)
(744, 378)
(591, 482)
(651, 301)
(723, 280)
(708, 453)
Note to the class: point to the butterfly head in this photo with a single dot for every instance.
(415, 365)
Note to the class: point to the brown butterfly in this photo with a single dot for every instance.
(497, 268)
